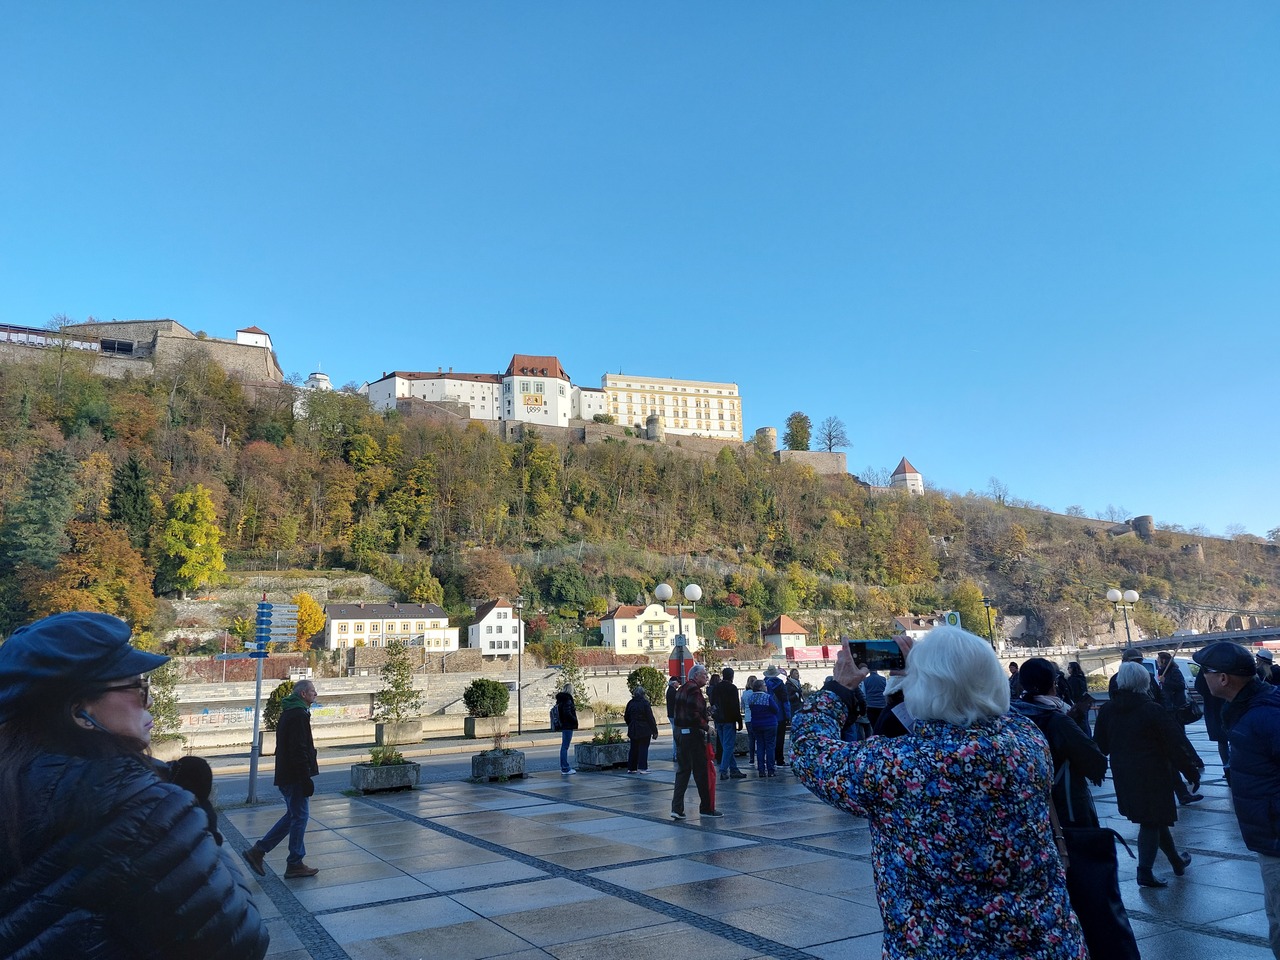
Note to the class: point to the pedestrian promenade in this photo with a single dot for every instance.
(590, 866)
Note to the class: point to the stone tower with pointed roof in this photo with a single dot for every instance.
(906, 477)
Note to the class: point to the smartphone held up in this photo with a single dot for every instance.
(879, 655)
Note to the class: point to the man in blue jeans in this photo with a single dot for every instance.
(727, 711)
(295, 766)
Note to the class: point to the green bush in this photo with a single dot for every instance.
(654, 683)
(275, 704)
(486, 698)
(385, 757)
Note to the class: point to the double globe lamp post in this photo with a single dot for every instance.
(1124, 601)
(692, 593)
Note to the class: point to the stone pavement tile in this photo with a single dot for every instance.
(464, 941)
(346, 857)
(393, 919)
(603, 854)
(537, 846)
(648, 876)
(464, 855)
(608, 825)
(512, 801)
(478, 875)
(646, 943)
(750, 857)
(380, 832)
(725, 894)
(531, 895)
(564, 923)
(848, 841)
(685, 841)
(333, 876)
(1253, 924)
(852, 948)
(804, 922)
(1242, 875)
(317, 899)
(559, 813)
(283, 939)
(846, 879)
(1184, 944)
(299, 954)
(1189, 903)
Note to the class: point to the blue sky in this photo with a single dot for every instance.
(1037, 242)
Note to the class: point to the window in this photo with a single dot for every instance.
(562, 389)
(499, 630)
(489, 628)
(624, 628)
(524, 386)
(404, 628)
(342, 628)
(539, 387)
(420, 626)
(359, 628)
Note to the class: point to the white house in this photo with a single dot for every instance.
(916, 627)
(631, 629)
(478, 391)
(254, 337)
(785, 632)
(691, 408)
(374, 624)
(496, 630)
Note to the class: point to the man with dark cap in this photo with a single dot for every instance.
(295, 766)
(1135, 656)
(1251, 720)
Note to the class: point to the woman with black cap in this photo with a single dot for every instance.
(100, 855)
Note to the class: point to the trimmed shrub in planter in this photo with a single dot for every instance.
(386, 770)
(486, 698)
(482, 728)
(389, 734)
(497, 765)
(600, 756)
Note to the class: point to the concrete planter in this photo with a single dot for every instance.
(266, 743)
(367, 778)
(497, 766)
(168, 750)
(484, 728)
(389, 734)
(600, 756)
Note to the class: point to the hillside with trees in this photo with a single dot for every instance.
(118, 494)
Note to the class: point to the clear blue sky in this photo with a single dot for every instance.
(1032, 241)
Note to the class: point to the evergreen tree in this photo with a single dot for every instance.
(35, 524)
(191, 543)
(799, 429)
(397, 701)
(130, 503)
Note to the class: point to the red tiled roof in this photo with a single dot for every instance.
(253, 330)
(485, 609)
(527, 365)
(904, 466)
(784, 624)
(437, 375)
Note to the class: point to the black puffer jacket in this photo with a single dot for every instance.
(1148, 748)
(116, 863)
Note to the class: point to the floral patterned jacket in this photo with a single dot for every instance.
(962, 846)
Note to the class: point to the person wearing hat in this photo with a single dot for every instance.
(1251, 720)
(1267, 670)
(1153, 688)
(102, 856)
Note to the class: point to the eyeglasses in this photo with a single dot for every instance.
(142, 686)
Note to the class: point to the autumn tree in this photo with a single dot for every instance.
(190, 542)
(100, 571)
(311, 617)
(799, 428)
(832, 434)
(486, 574)
(966, 599)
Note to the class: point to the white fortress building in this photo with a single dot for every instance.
(647, 629)
(691, 408)
(534, 389)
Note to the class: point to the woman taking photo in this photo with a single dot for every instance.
(101, 856)
(1148, 749)
(965, 857)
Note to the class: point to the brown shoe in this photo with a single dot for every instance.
(253, 857)
(299, 869)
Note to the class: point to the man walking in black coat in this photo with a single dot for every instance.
(295, 766)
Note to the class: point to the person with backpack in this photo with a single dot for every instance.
(566, 713)
(776, 687)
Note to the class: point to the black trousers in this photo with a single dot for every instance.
(691, 758)
(780, 749)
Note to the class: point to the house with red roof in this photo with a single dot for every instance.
(648, 629)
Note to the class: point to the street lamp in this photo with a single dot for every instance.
(1124, 601)
(991, 633)
(519, 601)
(692, 593)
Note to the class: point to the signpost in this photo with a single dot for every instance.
(274, 623)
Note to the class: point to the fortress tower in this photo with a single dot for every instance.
(906, 477)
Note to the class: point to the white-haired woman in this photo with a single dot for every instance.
(641, 729)
(1148, 749)
(963, 850)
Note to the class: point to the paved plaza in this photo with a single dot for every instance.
(590, 866)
